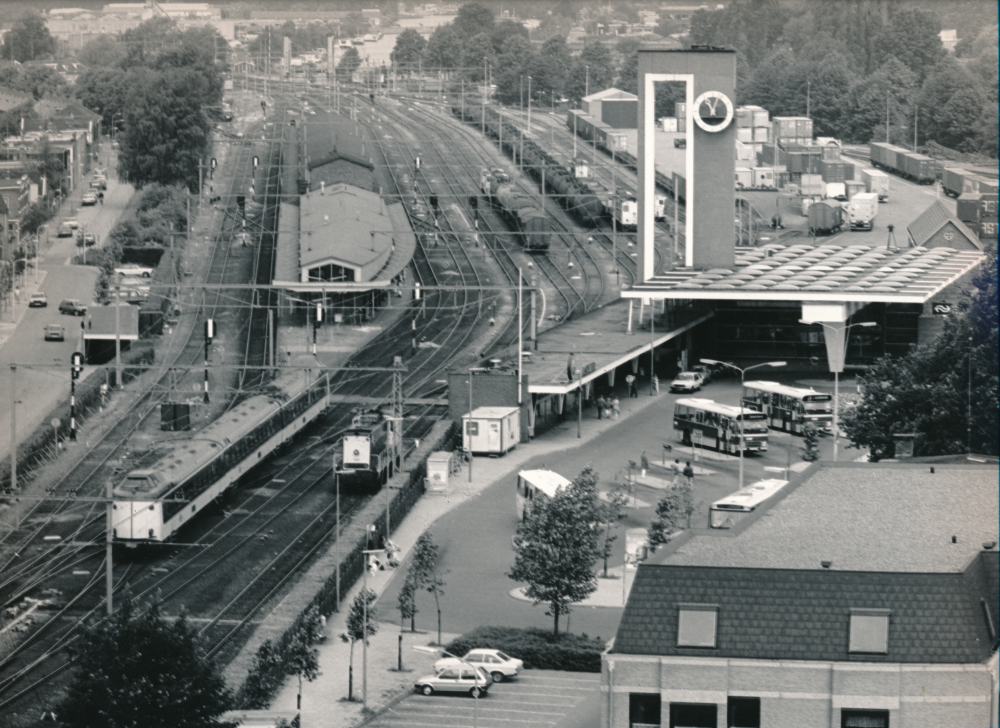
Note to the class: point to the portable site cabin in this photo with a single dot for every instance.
(492, 430)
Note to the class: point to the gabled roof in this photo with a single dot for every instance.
(344, 223)
(935, 217)
(796, 614)
(610, 93)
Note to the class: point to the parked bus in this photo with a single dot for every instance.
(727, 512)
(536, 484)
(789, 409)
(716, 426)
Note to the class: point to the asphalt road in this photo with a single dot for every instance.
(43, 366)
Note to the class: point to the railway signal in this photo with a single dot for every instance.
(209, 335)
(317, 322)
(76, 366)
(241, 202)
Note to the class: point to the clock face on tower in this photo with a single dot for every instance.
(713, 111)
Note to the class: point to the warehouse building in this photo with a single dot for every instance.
(863, 595)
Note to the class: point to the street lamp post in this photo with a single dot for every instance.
(475, 671)
(836, 377)
(742, 372)
(529, 109)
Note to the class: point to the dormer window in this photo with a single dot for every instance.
(696, 625)
(869, 631)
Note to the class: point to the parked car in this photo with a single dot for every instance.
(90, 240)
(134, 269)
(72, 223)
(73, 308)
(496, 663)
(38, 300)
(55, 332)
(707, 372)
(65, 230)
(687, 382)
(473, 681)
(89, 198)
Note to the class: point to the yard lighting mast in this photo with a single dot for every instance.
(742, 380)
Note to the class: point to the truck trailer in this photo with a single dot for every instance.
(861, 211)
(876, 181)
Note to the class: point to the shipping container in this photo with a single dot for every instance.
(763, 177)
(957, 182)
(745, 135)
(854, 187)
(760, 134)
(836, 191)
(804, 128)
(825, 216)
(848, 170)
(744, 118)
(744, 177)
(680, 110)
(616, 141)
(784, 126)
(830, 151)
(876, 181)
(919, 168)
(760, 117)
(668, 123)
(862, 210)
(988, 204)
(968, 209)
(988, 229)
(988, 186)
(682, 124)
(744, 152)
(493, 430)
(812, 184)
(832, 171)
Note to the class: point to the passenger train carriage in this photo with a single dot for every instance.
(371, 453)
(152, 503)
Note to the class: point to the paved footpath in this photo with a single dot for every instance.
(472, 524)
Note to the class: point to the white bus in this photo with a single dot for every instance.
(535, 484)
(727, 512)
(716, 426)
(789, 408)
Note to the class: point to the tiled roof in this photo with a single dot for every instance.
(820, 273)
(777, 614)
(933, 219)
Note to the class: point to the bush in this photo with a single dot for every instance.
(539, 649)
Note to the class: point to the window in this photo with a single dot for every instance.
(864, 719)
(744, 713)
(689, 715)
(869, 631)
(696, 625)
(643, 710)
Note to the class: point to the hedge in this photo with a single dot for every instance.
(539, 648)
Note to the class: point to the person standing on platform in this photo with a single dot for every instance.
(600, 407)
(675, 468)
(643, 463)
(616, 407)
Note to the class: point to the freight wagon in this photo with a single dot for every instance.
(913, 166)
(524, 214)
(919, 168)
(825, 217)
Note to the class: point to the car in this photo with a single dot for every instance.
(462, 679)
(72, 307)
(134, 269)
(499, 666)
(687, 382)
(89, 198)
(65, 231)
(38, 300)
(72, 222)
(55, 332)
(707, 372)
(90, 240)
(99, 183)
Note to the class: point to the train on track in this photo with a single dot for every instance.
(152, 503)
(372, 453)
(522, 212)
(559, 183)
(955, 182)
(586, 127)
(909, 165)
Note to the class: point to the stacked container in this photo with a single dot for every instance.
(744, 152)
(744, 177)
(744, 134)
(812, 184)
(744, 117)
(763, 177)
(668, 123)
(680, 111)
(792, 129)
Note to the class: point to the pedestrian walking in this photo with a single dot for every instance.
(643, 463)
(600, 407)
(634, 393)
(616, 407)
(656, 384)
(675, 468)
(632, 389)
(689, 473)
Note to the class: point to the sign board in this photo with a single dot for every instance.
(941, 308)
(227, 84)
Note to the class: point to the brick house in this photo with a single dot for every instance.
(865, 595)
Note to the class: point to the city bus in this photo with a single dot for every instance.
(789, 409)
(536, 484)
(715, 426)
(727, 512)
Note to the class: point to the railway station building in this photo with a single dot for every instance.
(864, 594)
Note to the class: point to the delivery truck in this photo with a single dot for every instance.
(876, 181)
(862, 210)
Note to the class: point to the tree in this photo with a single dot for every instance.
(423, 572)
(359, 629)
(556, 547)
(444, 49)
(959, 117)
(408, 603)
(810, 444)
(166, 132)
(912, 37)
(937, 119)
(513, 68)
(866, 106)
(594, 63)
(409, 48)
(504, 31)
(104, 91)
(944, 391)
(104, 51)
(617, 498)
(554, 55)
(473, 19)
(137, 668)
(671, 515)
(301, 655)
(28, 39)
(349, 62)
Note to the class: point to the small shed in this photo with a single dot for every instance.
(492, 430)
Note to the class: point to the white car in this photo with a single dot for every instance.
(687, 382)
(134, 269)
(497, 664)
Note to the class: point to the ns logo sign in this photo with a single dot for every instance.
(941, 309)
